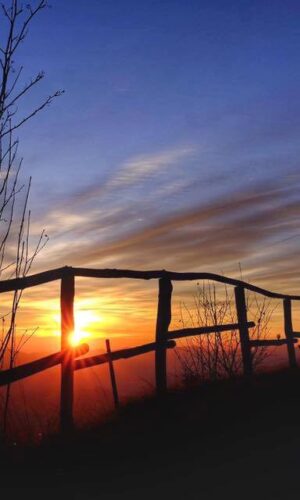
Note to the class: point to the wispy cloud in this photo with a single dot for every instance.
(245, 226)
(133, 172)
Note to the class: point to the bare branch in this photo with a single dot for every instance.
(27, 87)
(33, 113)
(15, 219)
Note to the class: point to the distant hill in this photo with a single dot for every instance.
(223, 440)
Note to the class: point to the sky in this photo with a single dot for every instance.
(176, 142)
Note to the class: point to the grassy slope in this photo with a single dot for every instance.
(223, 440)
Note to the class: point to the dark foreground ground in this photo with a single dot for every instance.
(227, 440)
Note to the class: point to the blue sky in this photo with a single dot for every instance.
(176, 143)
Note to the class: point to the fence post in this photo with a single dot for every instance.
(112, 376)
(164, 315)
(241, 310)
(288, 330)
(67, 365)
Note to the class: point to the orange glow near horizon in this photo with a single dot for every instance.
(128, 315)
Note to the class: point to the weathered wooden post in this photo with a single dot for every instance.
(67, 365)
(288, 330)
(112, 376)
(241, 310)
(163, 321)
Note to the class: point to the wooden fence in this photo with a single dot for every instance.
(164, 340)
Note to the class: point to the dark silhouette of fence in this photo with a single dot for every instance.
(165, 339)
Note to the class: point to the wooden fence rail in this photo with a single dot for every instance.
(204, 330)
(57, 274)
(131, 352)
(39, 365)
(164, 338)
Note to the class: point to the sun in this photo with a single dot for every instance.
(77, 337)
(83, 322)
(87, 324)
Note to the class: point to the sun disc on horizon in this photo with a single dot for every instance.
(78, 337)
(87, 324)
(84, 319)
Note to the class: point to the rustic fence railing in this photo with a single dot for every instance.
(165, 339)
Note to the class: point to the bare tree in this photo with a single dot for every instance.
(218, 355)
(16, 254)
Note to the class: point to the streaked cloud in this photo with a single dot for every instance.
(133, 172)
(241, 226)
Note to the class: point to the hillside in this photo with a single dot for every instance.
(223, 440)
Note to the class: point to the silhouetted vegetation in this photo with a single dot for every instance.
(17, 254)
(203, 443)
(217, 355)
